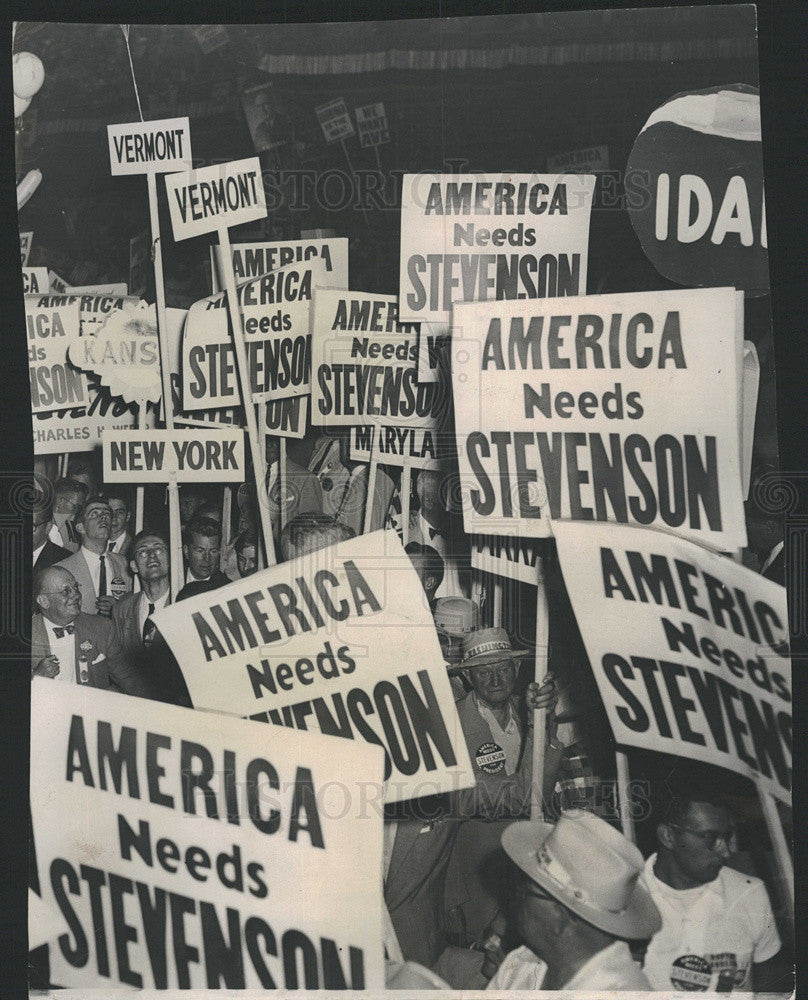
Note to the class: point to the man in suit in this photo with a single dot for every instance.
(103, 576)
(142, 644)
(202, 548)
(68, 496)
(418, 851)
(72, 647)
(46, 552)
(120, 537)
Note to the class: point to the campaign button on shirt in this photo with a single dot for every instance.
(691, 973)
(490, 757)
(117, 588)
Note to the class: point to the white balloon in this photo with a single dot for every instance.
(20, 105)
(29, 74)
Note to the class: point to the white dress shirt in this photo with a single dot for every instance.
(611, 969)
(64, 649)
(37, 551)
(116, 544)
(56, 536)
(143, 607)
(93, 560)
(509, 738)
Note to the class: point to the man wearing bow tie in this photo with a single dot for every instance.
(76, 648)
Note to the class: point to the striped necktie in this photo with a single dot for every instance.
(149, 628)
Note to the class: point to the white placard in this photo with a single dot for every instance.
(223, 195)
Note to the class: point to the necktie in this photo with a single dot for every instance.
(102, 578)
(61, 632)
(149, 628)
(111, 547)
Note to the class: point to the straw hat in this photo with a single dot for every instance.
(489, 645)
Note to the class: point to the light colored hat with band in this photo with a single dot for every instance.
(456, 615)
(589, 867)
(489, 645)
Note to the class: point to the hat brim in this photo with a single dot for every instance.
(639, 920)
(494, 657)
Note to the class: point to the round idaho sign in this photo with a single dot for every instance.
(703, 219)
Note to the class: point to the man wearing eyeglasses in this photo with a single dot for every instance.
(71, 647)
(133, 617)
(718, 930)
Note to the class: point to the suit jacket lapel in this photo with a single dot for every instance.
(406, 837)
(40, 647)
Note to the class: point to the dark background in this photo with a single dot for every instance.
(512, 117)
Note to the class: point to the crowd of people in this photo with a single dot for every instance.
(477, 894)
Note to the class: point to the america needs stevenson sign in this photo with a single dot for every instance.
(212, 198)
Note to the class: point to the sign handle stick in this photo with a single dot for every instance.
(391, 945)
(372, 469)
(624, 800)
(139, 492)
(379, 166)
(261, 410)
(785, 866)
(63, 465)
(540, 714)
(282, 479)
(227, 516)
(350, 167)
(497, 610)
(406, 492)
(174, 526)
(259, 463)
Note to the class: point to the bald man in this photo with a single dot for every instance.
(71, 647)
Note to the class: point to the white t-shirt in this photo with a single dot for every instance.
(611, 969)
(710, 935)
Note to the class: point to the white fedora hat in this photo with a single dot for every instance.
(590, 867)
